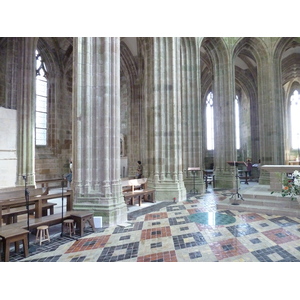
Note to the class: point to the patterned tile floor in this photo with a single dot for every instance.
(188, 231)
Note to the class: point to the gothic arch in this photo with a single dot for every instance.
(57, 54)
(249, 56)
(127, 64)
(218, 55)
(287, 57)
(130, 101)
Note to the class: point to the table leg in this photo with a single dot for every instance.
(17, 246)
(0, 215)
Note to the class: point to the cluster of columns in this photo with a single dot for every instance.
(171, 113)
(172, 138)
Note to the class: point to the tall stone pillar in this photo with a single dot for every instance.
(96, 129)
(271, 125)
(224, 119)
(167, 146)
(26, 110)
(191, 114)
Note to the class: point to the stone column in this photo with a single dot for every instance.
(191, 114)
(12, 72)
(224, 122)
(167, 146)
(271, 125)
(96, 129)
(26, 110)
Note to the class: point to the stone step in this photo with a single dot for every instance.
(277, 202)
(258, 208)
(259, 199)
(263, 210)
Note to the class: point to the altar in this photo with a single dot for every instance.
(276, 172)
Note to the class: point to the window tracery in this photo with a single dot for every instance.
(41, 110)
(295, 113)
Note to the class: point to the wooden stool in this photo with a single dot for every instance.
(42, 234)
(69, 226)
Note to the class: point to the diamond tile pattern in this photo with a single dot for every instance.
(165, 233)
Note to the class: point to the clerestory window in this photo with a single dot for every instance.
(210, 122)
(295, 113)
(41, 109)
(237, 122)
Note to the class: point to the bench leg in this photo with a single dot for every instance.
(25, 245)
(6, 250)
(91, 222)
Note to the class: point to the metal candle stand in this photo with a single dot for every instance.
(31, 248)
(194, 170)
(236, 164)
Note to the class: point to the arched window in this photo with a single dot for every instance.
(237, 122)
(41, 102)
(210, 122)
(295, 113)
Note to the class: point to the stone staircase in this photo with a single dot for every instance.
(259, 199)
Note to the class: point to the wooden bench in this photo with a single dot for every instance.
(40, 203)
(10, 215)
(16, 232)
(137, 189)
(141, 195)
(134, 184)
(54, 182)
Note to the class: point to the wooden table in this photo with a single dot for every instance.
(13, 235)
(81, 218)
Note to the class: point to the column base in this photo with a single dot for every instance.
(226, 181)
(199, 187)
(112, 214)
(169, 192)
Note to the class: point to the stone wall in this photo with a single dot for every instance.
(8, 147)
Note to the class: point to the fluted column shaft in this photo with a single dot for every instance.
(96, 128)
(224, 124)
(271, 109)
(168, 179)
(191, 114)
(25, 77)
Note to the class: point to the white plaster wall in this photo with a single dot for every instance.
(8, 147)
